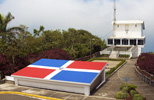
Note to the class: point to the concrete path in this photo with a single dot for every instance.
(128, 70)
(106, 92)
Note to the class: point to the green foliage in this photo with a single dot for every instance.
(105, 55)
(18, 42)
(133, 92)
(143, 58)
(123, 85)
(124, 56)
(129, 87)
(124, 89)
(121, 95)
(106, 59)
(138, 97)
(114, 68)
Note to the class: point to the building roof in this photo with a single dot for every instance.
(130, 22)
(62, 70)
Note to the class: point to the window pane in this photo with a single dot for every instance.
(110, 41)
(117, 42)
(133, 42)
(125, 42)
(140, 42)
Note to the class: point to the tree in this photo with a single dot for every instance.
(37, 32)
(7, 33)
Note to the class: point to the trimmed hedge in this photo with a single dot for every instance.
(105, 55)
(138, 97)
(121, 95)
(124, 56)
(105, 59)
(114, 68)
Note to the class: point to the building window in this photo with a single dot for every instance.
(117, 42)
(132, 41)
(124, 41)
(110, 41)
(140, 42)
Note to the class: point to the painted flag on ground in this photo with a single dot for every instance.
(62, 70)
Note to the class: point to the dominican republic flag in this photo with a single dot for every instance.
(62, 70)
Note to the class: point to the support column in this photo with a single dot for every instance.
(113, 41)
(136, 41)
(120, 41)
(128, 41)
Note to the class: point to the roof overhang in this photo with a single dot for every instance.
(129, 22)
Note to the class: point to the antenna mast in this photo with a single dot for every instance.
(114, 18)
(114, 14)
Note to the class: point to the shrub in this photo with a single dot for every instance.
(133, 92)
(124, 89)
(145, 62)
(124, 56)
(105, 55)
(131, 87)
(121, 95)
(123, 85)
(138, 97)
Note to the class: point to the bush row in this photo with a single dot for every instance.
(114, 68)
(7, 67)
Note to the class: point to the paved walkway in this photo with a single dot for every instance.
(128, 70)
(106, 92)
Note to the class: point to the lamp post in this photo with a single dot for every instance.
(91, 45)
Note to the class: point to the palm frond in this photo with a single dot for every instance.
(1, 22)
(8, 18)
(15, 29)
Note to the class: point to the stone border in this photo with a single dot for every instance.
(29, 95)
(145, 76)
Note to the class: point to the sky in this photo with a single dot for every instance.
(94, 16)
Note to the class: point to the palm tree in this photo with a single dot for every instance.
(8, 36)
(7, 32)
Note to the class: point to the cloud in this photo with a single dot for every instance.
(94, 16)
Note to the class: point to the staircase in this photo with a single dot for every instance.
(114, 54)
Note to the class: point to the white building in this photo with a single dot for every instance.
(127, 39)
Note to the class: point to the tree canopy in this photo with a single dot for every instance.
(17, 42)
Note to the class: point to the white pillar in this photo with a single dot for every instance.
(136, 41)
(113, 41)
(120, 41)
(128, 41)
